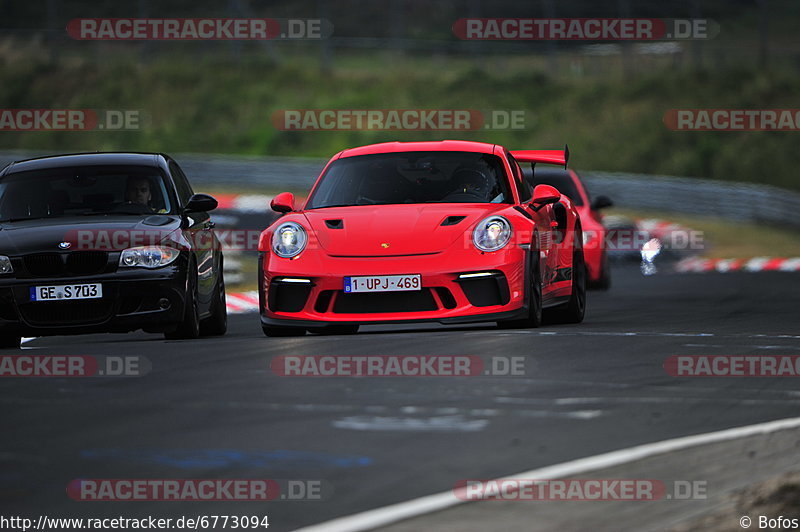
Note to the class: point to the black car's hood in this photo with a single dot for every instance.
(45, 234)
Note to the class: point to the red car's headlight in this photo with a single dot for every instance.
(492, 233)
(289, 239)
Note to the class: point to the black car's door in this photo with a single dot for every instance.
(199, 231)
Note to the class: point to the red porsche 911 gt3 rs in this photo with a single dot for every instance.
(401, 232)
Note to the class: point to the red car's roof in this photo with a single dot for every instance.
(441, 145)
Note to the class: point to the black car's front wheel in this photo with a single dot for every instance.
(217, 323)
(189, 328)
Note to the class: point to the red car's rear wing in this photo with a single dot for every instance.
(558, 157)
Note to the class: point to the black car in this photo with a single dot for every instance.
(107, 242)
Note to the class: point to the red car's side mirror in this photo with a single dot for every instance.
(283, 202)
(545, 194)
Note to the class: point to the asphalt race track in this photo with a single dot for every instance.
(212, 408)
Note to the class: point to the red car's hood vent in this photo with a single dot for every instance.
(453, 220)
(392, 230)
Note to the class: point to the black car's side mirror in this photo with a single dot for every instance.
(601, 202)
(200, 203)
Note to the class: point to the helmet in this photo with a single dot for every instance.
(471, 181)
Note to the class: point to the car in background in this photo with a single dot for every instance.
(569, 183)
(107, 242)
(405, 232)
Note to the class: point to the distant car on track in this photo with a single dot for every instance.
(69, 257)
(444, 231)
(569, 183)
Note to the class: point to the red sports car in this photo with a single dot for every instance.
(569, 183)
(401, 232)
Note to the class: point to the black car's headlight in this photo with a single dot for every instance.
(5, 265)
(492, 233)
(289, 240)
(148, 257)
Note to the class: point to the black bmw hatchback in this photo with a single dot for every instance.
(107, 242)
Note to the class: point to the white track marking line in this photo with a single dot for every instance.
(386, 515)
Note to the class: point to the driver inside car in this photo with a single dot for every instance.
(470, 185)
(138, 191)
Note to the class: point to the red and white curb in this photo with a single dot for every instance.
(757, 264)
(241, 302)
(243, 202)
(663, 230)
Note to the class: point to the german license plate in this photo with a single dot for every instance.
(383, 283)
(67, 292)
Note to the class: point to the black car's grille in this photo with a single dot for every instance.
(7, 307)
(360, 303)
(75, 263)
(44, 264)
(66, 312)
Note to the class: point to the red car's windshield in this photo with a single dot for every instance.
(412, 177)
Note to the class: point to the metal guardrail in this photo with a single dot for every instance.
(240, 171)
(705, 197)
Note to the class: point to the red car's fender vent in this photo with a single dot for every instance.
(335, 224)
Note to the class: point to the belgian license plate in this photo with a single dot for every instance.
(383, 283)
(67, 292)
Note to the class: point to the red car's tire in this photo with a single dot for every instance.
(604, 282)
(572, 311)
(534, 296)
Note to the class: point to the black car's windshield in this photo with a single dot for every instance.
(561, 180)
(412, 177)
(83, 191)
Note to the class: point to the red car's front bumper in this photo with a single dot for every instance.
(445, 297)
